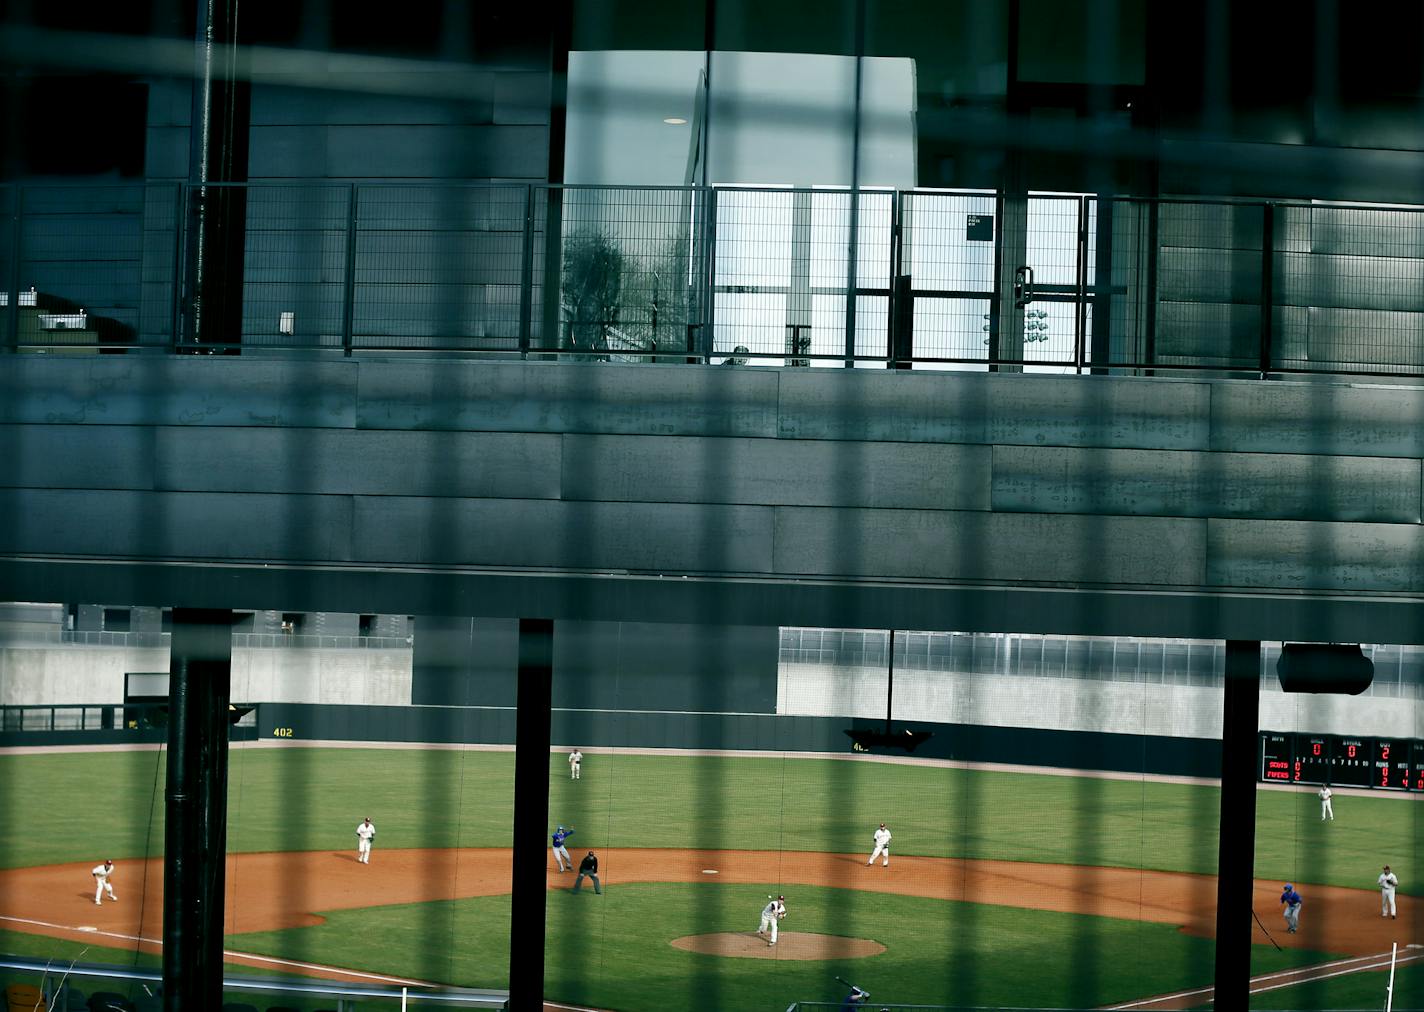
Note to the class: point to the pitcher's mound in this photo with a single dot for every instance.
(789, 945)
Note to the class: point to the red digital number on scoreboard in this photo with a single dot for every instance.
(1315, 748)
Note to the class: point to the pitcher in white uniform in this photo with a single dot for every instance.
(771, 916)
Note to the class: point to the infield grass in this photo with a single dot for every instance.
(612, 951)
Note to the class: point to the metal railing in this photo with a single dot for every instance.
(729, 276)
(240, 640)
(92, 717)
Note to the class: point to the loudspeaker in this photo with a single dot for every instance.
(1324, 667)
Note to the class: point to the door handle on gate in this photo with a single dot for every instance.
(1023, 286)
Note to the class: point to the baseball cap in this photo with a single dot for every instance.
(1287, 885)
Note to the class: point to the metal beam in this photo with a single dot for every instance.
(1236, 853)
(976, 607)
(195, 812)
(531, 814)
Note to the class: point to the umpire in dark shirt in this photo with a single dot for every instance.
(588, 866)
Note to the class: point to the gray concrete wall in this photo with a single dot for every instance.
(70, 674)
(1077, 704)
(656, 473)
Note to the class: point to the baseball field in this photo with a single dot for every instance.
(1005, 887)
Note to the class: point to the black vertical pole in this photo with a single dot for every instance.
(559, 16)
(195, 829)
(1102, 296)
(1235, 874)
(17, 227)
(853, 248)
(348, 277)
(526, 274)
(1268, 273)
(217, 154)
(531, 814)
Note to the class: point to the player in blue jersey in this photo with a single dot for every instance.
(1292, 901)
(561, 853)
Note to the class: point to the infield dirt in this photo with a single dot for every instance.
(271, 891)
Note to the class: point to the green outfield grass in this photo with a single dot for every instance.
(311, 799)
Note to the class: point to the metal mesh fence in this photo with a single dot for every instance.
(627, 272)
(294, 264)
(439, 267)
(1046, 282)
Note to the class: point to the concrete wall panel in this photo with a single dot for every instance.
(657, 537)
(920, 544)
(1033, 410)
(222, 526)
(775, 472)
(177, 391)
(555, 397)
(1266, 554)
(490, 465)
(76, 456)
(1321, 418)
(1196, 484)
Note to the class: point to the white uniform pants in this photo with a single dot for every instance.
(880, 848)
(561, 855)
(1293, 916)
(1387, 902)
(101, 886)
(363, 851)
(1326, 812)
(573, 771)
(768, 923)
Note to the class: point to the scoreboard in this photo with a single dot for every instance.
(1390, 764)
(1391, 772)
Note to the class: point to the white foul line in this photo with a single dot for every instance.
(1279, 973)
(227, 952)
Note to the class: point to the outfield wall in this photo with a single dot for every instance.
(594, 729)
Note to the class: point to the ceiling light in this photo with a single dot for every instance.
(675, 121)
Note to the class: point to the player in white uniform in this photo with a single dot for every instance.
(771, 916)
(882, 846)
(101, 875)
(575, 759)
(1388, 883)
(1326, 812)
(365, 833)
